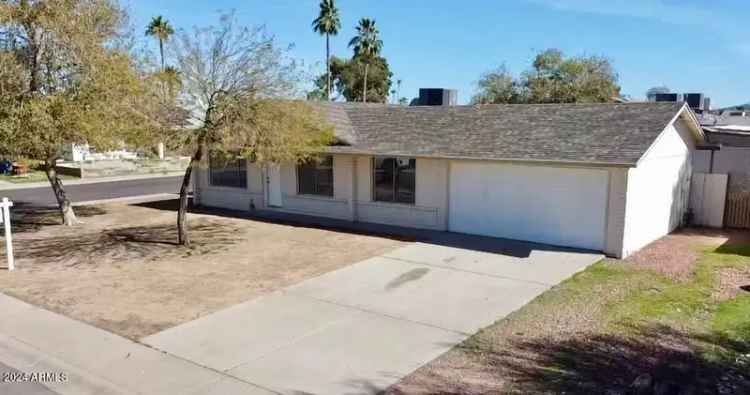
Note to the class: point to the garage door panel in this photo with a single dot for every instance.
(561, 206)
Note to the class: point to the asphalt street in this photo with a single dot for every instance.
(42, 196)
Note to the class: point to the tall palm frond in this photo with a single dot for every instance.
(367, 42)
(162, 30)
(328, 23)
(367, 45)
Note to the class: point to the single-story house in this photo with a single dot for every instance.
(604, 177)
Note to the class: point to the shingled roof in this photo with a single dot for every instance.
(617, 134)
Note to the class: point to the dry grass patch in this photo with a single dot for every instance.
(122, 270)
(134, 245)
(32, 219)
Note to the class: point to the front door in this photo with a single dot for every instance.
(273, 185)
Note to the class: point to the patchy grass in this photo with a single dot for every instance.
(732, 319)
(31, 176)
(716, 330)
(610, 324)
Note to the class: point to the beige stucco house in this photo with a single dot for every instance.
(604, 177)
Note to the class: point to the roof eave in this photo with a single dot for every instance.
(576, 163)
(693, 123)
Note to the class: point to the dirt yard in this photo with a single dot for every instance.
(122, 271)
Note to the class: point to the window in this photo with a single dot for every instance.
(394, 180)
(227, 172)
(316, 177)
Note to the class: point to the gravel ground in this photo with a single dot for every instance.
(731, 283)
(675, 255)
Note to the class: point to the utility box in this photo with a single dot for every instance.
(437, 97)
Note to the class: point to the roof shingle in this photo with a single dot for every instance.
(592, 133)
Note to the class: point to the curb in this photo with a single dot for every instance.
(129, 199)
(10, 186)
(156, 197)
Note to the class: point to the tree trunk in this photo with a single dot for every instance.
(364, 94)
(182, 232)
(66, 209)
(33, 48)
(328, 67)
(161, 52)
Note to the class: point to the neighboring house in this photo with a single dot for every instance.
(75, 152)
(742, 110)
(728, 138)
(82, 152)
(728, 152)
(605, 177)
(726, 120)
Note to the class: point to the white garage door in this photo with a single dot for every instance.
(552, 205)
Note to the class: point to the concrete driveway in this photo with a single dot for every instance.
(360, 329)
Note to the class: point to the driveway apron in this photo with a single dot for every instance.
(360, 329)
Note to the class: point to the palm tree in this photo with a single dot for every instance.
(367, 45)
(161, 29)
(172, 79)
(328, 24)
(398, 90)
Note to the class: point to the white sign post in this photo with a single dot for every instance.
(5, 206)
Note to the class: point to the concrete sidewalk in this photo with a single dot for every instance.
(9, 186)
(93, 361)
(360, 329)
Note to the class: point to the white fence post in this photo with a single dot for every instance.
(5, 205)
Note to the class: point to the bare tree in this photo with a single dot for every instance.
(233, 82)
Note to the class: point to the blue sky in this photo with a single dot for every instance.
(688, 45)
